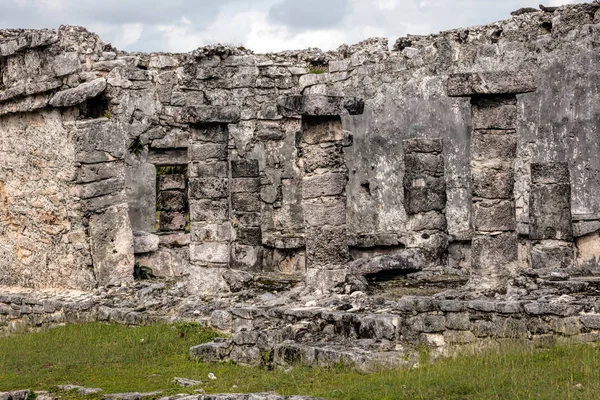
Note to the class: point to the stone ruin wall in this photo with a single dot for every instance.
(85, 127)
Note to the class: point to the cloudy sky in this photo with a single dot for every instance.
(260, 25)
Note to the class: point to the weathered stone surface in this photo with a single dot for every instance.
(210, 232)
(493, 250)
(405, 260)
(209, 210)
(172, 221)
(484, 83)
(209, 253)
(112, 246)
(207, 151)
(317, 130)
(423, 145)
(210, 114)
(171, 182)
(494, 215)
(424, 194)
(489, 145)
(492, 180)
(172, 200)
(491, 114)
(551, 254)
(314, 105)
(424, 164)
(144, 242)
(550, 212)
(72, 97)
(208, 188)
(325, 211)
(327, 246)
(328, 184)
(550, 173)
(245, 169)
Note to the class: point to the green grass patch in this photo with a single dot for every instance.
(118, 358)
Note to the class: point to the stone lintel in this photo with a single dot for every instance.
(210, 114)
(490, 83)
(317, 106)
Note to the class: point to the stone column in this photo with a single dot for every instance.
(323, 188)
(494, 249)
(208, 169)
(172, 202)
(246, 252)
(425, 198)
(550, 227)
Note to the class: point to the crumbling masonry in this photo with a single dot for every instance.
(471, 154)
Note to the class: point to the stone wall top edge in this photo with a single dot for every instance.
(532, 19)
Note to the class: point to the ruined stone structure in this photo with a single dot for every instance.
(472, 154)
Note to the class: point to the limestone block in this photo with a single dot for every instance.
(423, 145)
(492, 115)
(65, 63)
(209, 210)
(550, 173)
(315, 157)
(493, 250)
(250, 236)
(246, 218)
(208, 188)
(247, 202)
(171, 182)
(172, 221)
(323, 279)
(112, 246)
(72, 97)
(408, 260)
(214, 252)
(550, 212)
(492, 180)
(428, 164)
(432, 220)
(100, 188)
(489, 145)
(245, 169)
(552, 254)
(207, 151)
(327, 184)
(497, 82)
(316, 105)
(244, 185)
(209, 114)
(167, 157)
(140, 186)
(247, 258)
(494, 215)
(96, 172)
(325, 211)
(98, 141)
(284, 261)
(317, 130)
(210, 232)
(172, 200)
(175, 240)
(144, 242)
(214, 133)
(582, 228)
(327, 246)
(208, 169)
(423, 194)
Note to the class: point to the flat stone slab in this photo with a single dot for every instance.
(409, 260)
(210, 114)
(79, 94)
(490, 83)
(319, 106)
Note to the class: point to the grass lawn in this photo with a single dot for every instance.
(119, 358)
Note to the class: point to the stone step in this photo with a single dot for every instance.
(330, 355)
